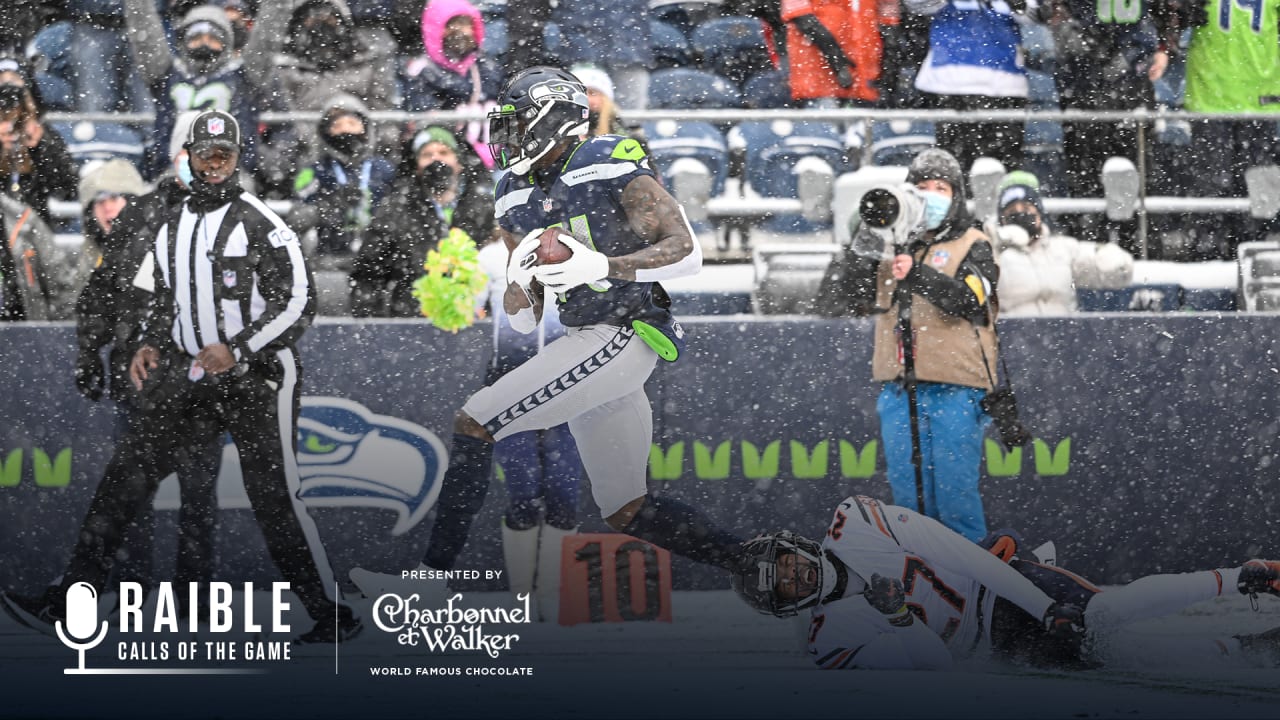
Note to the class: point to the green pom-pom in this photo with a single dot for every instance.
(447, 294)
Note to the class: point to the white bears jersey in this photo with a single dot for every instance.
(950, 583)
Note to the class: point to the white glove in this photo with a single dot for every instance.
(520, 265)
(1013, 236)
(584, 266)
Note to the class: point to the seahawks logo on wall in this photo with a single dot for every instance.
(349, 456)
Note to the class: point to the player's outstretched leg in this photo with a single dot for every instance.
(680, 528)
(1260, 576)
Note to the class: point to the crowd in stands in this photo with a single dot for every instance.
(355, 184)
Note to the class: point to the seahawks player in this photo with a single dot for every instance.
(892, 589)
(627, 234)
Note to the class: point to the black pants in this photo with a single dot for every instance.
(260, 410)
(1018, 637)
(197, 517)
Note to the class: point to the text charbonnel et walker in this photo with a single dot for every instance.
(454, 628)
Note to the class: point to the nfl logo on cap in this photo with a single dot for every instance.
(217, 126)
(213, 128)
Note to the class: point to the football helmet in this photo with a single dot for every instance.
(538, 108)
(757, 582)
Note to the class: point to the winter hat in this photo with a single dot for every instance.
(206, 19)
(593, 77)
(1019, 185)
(213, 128)
(435, 133)
(117, 176)
(181, 129)
(937, 164)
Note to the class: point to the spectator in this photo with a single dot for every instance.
(604, 118)
(34, 162)
(431, 195)
(91, 48)
(526, 33)
(1106, 60)
(341, 189)
(120, 225)
(28, 258)
(314, 50)
(541, 469)
(1040, 269)
(453, 74)
(1233, 66)
(944, 289)
(615, 35)
(975, 63)
(205, 74)
(833, 49)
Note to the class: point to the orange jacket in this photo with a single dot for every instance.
(855, 25)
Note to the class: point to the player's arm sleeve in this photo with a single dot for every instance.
(939, 545)
(287, 287)
(672, 251)
(966, 295)
(844, 636)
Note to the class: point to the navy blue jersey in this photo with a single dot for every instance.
(226, 89)
(585, 198)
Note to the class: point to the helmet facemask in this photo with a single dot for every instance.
(758, 582)
(551, 112)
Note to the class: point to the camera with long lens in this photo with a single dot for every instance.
(890, 216)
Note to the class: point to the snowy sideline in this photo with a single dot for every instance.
(717, 659)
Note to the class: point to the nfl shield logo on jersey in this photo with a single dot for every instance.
(229, 278)
(546, 205)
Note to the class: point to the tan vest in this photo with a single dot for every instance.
(947, 349)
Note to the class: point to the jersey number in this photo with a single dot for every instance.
(1124, 12)
(214, 96)
(915, 567)
(1253, 7)
(591, 554)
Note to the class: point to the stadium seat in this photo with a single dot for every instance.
(896, 142)
(767, 90)
(684, 15)
(89, 142)
(773, 150)
(670, 46)
(733, 47)
(688, 89)
(1143, 298)
(1042, 139)
(669, 140)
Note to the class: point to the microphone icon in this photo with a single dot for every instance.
(82, 621)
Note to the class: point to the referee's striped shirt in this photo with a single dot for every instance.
(233, 275)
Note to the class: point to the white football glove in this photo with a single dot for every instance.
(584, 266)
(520, 265)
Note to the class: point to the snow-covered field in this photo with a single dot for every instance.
(716, 659)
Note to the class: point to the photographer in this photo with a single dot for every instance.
(34, 161)
(920, 264)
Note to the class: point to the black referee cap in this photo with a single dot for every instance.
(213, 128)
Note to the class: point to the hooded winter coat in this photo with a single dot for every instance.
(436, 82)
(38, 278)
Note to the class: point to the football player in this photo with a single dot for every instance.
(889, 588)
(627, 234)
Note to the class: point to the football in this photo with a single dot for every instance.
(550, 249)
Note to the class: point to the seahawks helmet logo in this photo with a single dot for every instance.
(349, 456)
(549, 90)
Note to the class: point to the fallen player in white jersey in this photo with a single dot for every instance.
(892, 589)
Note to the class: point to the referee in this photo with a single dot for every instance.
(232, 295)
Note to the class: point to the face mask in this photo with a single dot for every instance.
(436, 177)
(324, 45)
(1025, 220)
(184, 171)
(936, 207)
(202, 57)
(349, 144)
